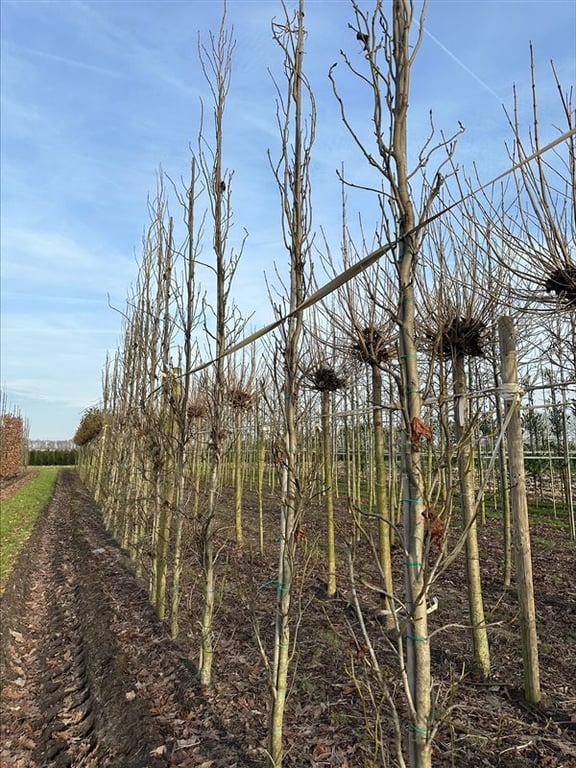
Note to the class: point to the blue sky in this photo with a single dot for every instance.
(97, 95)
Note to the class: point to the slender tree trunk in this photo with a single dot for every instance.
(102, 453)
(130, 505)
(163, 542)
(166, 447)
(238, 478)
(481, 651)
(217, 67)
(504, 490)
(155, 490)
(293, 183)
(196, 471)
(141, 525)
(261, 443)
(328, 493)
(567, 469)
(417, 642)
(177, 566)
(206, 640)
(380, 492)
(175, 480)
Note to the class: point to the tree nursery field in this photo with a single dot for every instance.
(345, 538)
(91, 677)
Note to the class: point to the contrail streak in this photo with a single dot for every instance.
(463, 66)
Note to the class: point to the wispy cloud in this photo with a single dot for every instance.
(144, 58)
(24, 50)
(53, 362)
(43, 390)
(45, 248)
(73, 329)
(38, 257)
(55, 290)
(97, 95)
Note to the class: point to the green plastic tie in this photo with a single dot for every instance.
(272, 582)
(422, 731)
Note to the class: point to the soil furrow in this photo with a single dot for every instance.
(67, 736)
(66, 698)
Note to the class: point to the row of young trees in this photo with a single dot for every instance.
(13, 439)
(381, 380)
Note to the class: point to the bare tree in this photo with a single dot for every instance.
(188, 316)
(216, 61)
(387, 56)
(458, 315)
(241, 398)
(296, 121)
(540, 230)
(368, 334)
(326, 374)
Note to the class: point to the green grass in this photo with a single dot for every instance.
(18, 514)
(539, 511)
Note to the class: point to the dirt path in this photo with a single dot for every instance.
(90, 677)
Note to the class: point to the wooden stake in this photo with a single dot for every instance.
(521, 527)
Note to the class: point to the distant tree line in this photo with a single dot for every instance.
(50, 445)
(52, 458)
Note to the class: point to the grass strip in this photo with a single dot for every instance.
(19, 512)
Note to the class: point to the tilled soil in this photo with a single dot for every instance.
(89, 676)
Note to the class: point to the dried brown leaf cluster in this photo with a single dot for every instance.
(373, 345)
(197, 409)
(562, 282)
(11, 445)
(462, 336)
(241, 399)
(326, 379)
(90, 427)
